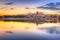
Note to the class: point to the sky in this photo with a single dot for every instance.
(28, 2)
(19, 5)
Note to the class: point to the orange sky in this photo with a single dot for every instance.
(21, 10)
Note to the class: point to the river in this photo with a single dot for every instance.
(24, 30)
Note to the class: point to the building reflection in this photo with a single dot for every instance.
(38, 18)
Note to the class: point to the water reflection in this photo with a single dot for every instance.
(51, 30)
(24, 30)
(8, 31)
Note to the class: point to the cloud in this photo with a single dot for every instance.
(51, 6)
(9, 3)
(29, 8)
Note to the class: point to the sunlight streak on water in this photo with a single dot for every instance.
(23, 28)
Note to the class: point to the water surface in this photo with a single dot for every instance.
(23, 30)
